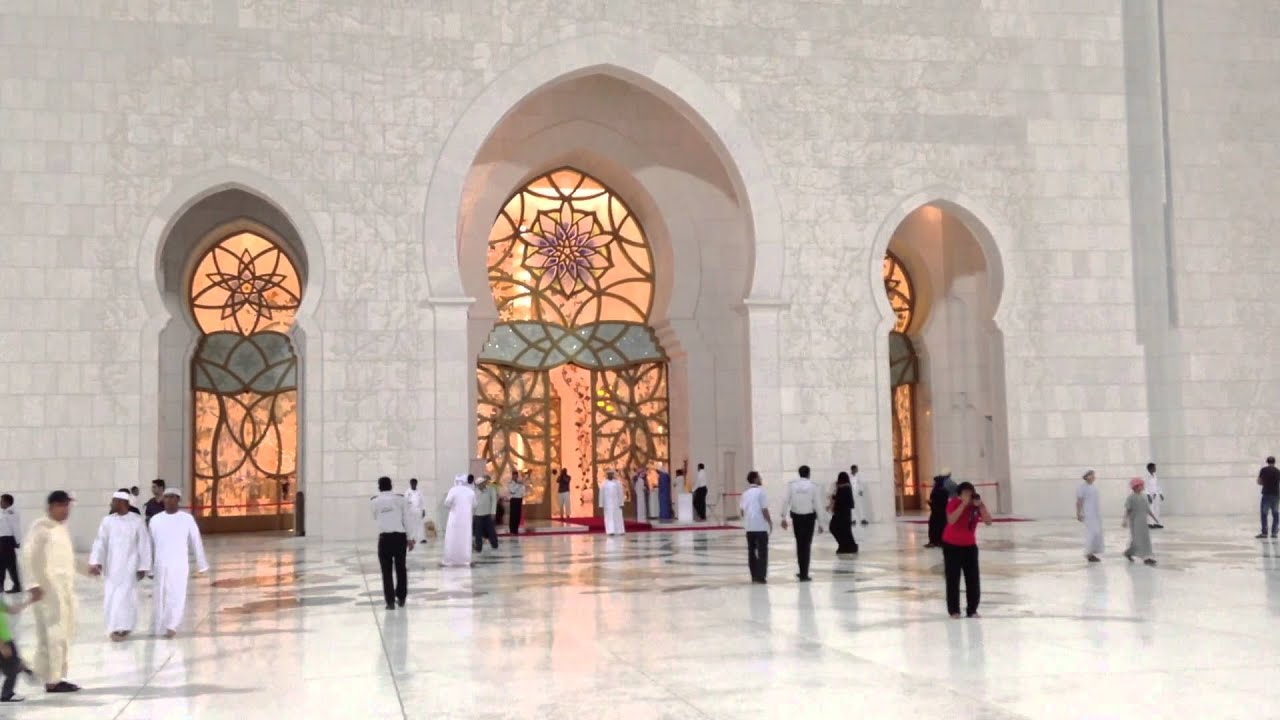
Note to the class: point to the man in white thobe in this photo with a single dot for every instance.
(50, 562)
(641, 487)
(413, 498)
(172, 532)
(121, 552)
(459, 505)
(611, 499)
(1089, 512)
(1154, 496)
(859, 501)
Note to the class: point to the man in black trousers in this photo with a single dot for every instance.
(802, 504)
(10, 541)
(393, 516)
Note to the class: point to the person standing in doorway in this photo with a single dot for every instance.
(640, 486)
(1154, 496)
(1089, 512)
(665, 495)
(754, 506)
(51, 564)
(611, 499)
(393, 517)
(562, 493)
(10, 541)
(121, 553)
(515, 491)
(483, 525)
(700, 493)
(842, 516)
(155, 505)
(859, 499)
(960, 549)
(1136, 511)
(802, 505)
(1269, 481)
(174, 535)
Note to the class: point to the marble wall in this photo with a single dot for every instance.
(361, 123)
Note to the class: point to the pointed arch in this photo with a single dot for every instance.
(625, 59)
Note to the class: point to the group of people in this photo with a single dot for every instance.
(803, 506)
(128, 548)
(956, 511)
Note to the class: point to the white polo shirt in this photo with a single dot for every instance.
(753, 504)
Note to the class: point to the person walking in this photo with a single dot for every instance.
(10, 542)
(960, 549)
(459, 505)
(859, 498)
(50, 560)
(1089, 512)
(1154, 497)
(483, 526)
(155, 505)
(1269, 481)
(802, 505)
(394, 517)
(1137, 508)
(754, 506)
(122, 555)
(515, 493)
(11, 663)
(174, 536)
(700, 493)
(418, 508)
(842, 504)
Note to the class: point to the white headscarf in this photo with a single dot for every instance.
(122, 496)
(459, 480)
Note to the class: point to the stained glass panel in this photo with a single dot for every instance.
(572, 277)
(904, 374)
(902, 296)
(244, 295)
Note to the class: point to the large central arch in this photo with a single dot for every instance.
(451, 296)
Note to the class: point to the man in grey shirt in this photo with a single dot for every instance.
(482, 524)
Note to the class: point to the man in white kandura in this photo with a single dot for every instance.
(460, 503)
(49, 560)
(172, 531)
(611, 499)
(122, 551)
(413, 498)
(1089, 512)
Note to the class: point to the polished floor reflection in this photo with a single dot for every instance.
(666, 626)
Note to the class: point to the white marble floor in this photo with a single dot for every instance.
(667, 626)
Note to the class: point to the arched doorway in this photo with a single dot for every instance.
(904, 377)
(243, 296)
(946, 374)
(233, 276)
(571, 375)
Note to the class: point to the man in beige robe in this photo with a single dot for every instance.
(49, 560)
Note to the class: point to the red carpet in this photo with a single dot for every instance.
(994, 520)
(596, 524)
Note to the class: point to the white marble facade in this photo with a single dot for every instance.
(775, 147)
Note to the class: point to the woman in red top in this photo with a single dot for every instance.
(960, 548)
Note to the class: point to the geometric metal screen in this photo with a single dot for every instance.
(244, 295)
(904, 372)
(572, 365)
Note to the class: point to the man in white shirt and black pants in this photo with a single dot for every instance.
(10, 541)
(802, 504)
(700, 493)
(394, 518)
(515, 500)
(758, 524)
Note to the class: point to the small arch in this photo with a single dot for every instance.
(632, 62)
(985, 228)
(199, 212)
